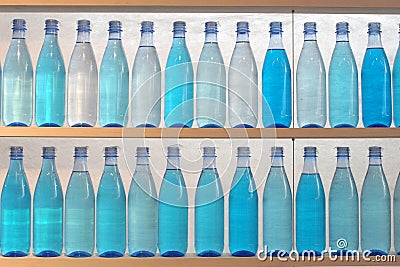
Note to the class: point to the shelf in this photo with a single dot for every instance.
(196, 133)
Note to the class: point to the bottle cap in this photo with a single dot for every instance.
(375, 151)
(374, 27)
(342, 26)
(19, 25)
(51, 25)
(179, 26)
(242, 27)
(49, 152)
(115, 26)
(111, 151)
(243, 151)
(211, 27)
(310, 151)
(173, 151)
(147, 26)
(80, 151)
(16, 152)
(142, 152)
(276, 151)
(310, 27)
(275, 27)
(84, 25)
(208, 151)
(343, 151)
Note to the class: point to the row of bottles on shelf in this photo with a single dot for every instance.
(161, 222)
(214, 92)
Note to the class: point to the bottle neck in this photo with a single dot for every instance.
(343, 162)
(179, 34)
(243, 162)
(114, 36)
(275, 42)
(142, 161)
(18, 34)
(209, 162)
(277, 161)
(51, 38)
(310, 36)
(342, 37)
(16, 164)
(374, 40)
(48, 164)
(80, 164)
(179, 41)
(211, 37)
(146, 39)
(173, 163)
(375, 161)
(83, 37)
(111, 161)
(242, 37)
(310, 165)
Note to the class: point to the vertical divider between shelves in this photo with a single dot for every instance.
(293, 139)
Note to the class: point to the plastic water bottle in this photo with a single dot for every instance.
(142, 209)
(310, 207)
(146, 81)
(375, 82)
(50, 80)
(375, 207)
(178, 110)
(343, 82)
(111, 209)
(15, 208)
(82, 81)
(396, 216)
(211, 82)
(79, 209)
(243, 82)
(114, 81)
(173, 209)
(209, 209)
(276, 82)
(48, 209)
(343, 207)
(396, 87)
(277, 208)
(311, 82)
(17, 93)
(243, 209)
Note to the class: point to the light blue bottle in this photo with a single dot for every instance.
(311, 82)
(396, 88)
(209, 209)
(343, 82)
(396, 216)
(375, 207)
(277, 208)
(146, 81)
(114, 81)
(15, 208)
(178, 110)
(343, 207)
(111, 209)
(173, 209)
(310, 207)
(48, 209)
(243, 209)
(211, 82)
(142, 209)
(82, 81)
(376, 93)
(242, 82)
(79, 209)
(276, 82)
(17, 91)
(50, 80)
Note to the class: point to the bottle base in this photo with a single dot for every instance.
(243, 126)
(178, 125)
(211, 125)
(142, 254)
(49, 125)
(312, 125)
(209, 253)
(376, 252)
(173, 253)
(145, 125)
(376, 125)
(243, 253)
(310, 253)
(47, 254)
(111, 254)
(17, 124)
(81, 125)
(15, 254)
(110, 125)
(344, 252)
(277, 253)
(277, 125)
(344, 125)
(79, 254)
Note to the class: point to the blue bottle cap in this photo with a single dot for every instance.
(375, 151)
(49, 152)
(374, 27)
(19, 25)
(84, 25)
(208, 151)
(310, 27)
(16, 152)
(275, 27)
(142, 152)
(211, 27)
(111, 151)
(115, 26)
(80, 151)
(342, 27)
(343, 151)
(173, 151)
(147, 26)
(51, 24)
(243, 151)
(242, 27)
(310, 151)
(179, 26)
(276, 151)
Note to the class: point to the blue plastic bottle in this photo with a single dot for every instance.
(243, 209)
(142, 209)
(15, 208)
(311, 82)
(276, 82)
(17, 91)
(375, 207)
(243, 82)
(396, 88)
(396, 216)
(375, 82)
(79, 209)
(50, 80)
(211, 82)
(146, 81)
(178, 110)
(111, 209)
(310, 207)
(82, 81)
(114, 81)
(343, 207)
(173, 209)
(209, 209)
(277, 208)
(48, 209)
(343, 82)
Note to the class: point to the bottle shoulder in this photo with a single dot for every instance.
(18, 55)
(146, 57)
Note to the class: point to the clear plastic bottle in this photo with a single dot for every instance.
(146, 81)
(17, 96)
(111, 209)
(211, 82)
(396, 87)
(48, 205)
(82, 81)
(375, 207)
(114, 81)
(343, 82)
(375, 82)
(173, 209)
(276, 82)
(277, 208)
(50, 80)
(243, 82)
(179, 108)
(15, 208)
(209, 209)
(311, 82)
(142, 209)
(343, 207)
(243, 209)
(79, 209)
(310, 207)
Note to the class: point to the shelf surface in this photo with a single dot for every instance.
(196, 133)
